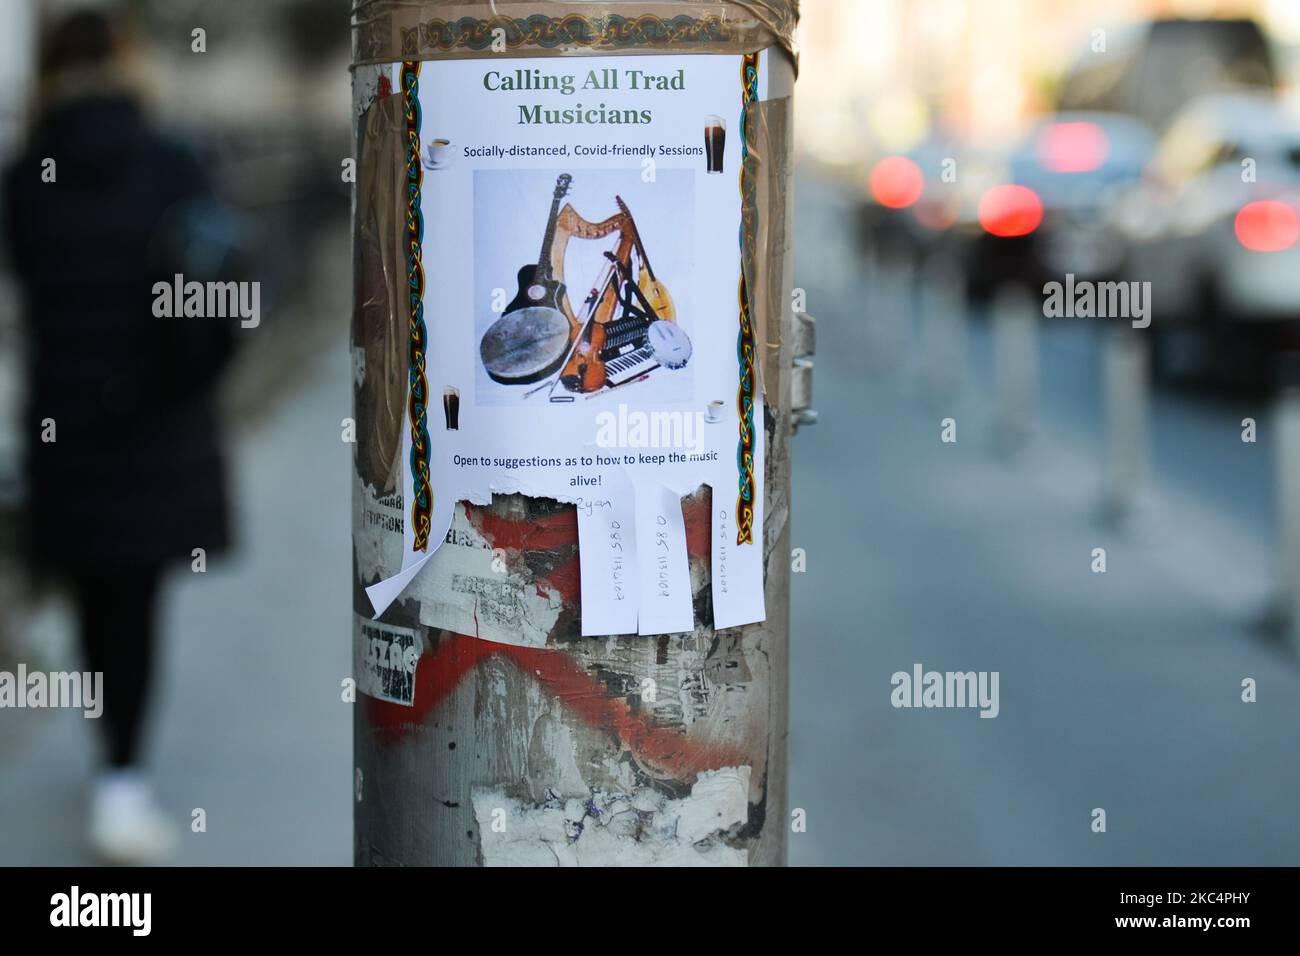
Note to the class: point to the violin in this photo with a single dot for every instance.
(584, 371)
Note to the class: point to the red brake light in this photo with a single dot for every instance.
(1010, 211)
(1073, 147)
(896, 182)
(1267, 226)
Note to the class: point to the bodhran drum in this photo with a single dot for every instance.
(671, 346)
(526, 345)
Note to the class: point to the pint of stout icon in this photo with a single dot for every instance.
(715, 142)
(451, 407)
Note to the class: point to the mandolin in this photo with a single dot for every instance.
(531, 339)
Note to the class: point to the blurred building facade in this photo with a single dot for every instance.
(879, 76)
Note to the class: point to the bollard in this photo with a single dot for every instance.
(542, 746)
(1286, 418)
(1015, 368)
(943, 329)
(885, 310)
(889, 284)
(884, 329)
(1126, 383)
(875, 306)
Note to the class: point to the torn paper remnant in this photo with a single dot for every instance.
(640, 828)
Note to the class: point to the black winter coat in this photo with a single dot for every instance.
(135, 474)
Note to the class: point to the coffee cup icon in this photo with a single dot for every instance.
(438, 154)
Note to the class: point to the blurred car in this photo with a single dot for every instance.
(1214, 224)
(908, 201)
(1151, 70)
(1047, 215)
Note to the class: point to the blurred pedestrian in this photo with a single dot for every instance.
(125, 471)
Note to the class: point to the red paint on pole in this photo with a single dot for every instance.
(439, 673)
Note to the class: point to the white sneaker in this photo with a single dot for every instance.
(127, 827)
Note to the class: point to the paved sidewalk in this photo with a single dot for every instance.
(249, 724)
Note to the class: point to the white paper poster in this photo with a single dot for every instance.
(579, 327)
(665, 576)
(607, 545)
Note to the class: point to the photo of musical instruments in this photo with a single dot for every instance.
(625, 328)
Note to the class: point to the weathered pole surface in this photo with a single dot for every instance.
(610, 750)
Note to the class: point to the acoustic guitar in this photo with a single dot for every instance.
(531, 339)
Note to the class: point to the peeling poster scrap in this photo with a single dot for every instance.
(384, 659)
(641, 828)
